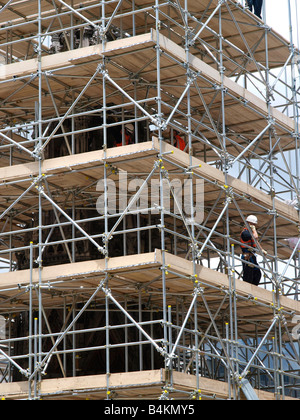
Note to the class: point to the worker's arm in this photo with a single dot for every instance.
(255, 236)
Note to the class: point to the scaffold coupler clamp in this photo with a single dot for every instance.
(38, 153)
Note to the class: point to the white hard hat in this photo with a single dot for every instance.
(252, 219)
(129, 128)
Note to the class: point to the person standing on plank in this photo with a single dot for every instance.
(255, 5)
(251, 270)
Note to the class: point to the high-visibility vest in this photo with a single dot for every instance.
(179, 143)
(246, 244)
(128, 140)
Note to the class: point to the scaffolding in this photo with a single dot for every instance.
(136, 138)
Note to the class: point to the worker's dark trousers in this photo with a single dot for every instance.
(251, 273)
(256, 5)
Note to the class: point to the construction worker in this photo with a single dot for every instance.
(129, 135)
(256, 5)
(249, 239)
(178, 141)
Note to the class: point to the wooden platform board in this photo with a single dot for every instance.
(23, 14)
(81, 173)
(246, 114)
(255, 305)
(147, 385)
